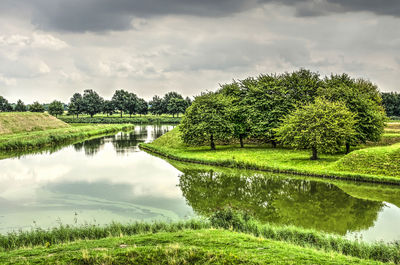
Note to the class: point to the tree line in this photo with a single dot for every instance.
(298, 109)
(391, 103)
(91, 103)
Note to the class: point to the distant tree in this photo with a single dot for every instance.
(119, 100)
(391, 103)
(206, 120)
(36, 107)
(56, 108)
(143, 107)
(108, 107)
(131, 104)
(188, 102)
(176, 106)
(238, 112)
(167, 98)
(323, 126)
(75, 107)
(156, 105)
(92, 103)
(363, 99)
(20, 107)
(5, 106)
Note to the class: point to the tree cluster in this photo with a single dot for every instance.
(391, 103)
(299, 109)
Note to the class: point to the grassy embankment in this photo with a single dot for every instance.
(227, 238)
(26, 131)
(375, 164)
(116, 119)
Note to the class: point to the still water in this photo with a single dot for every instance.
(110, 179)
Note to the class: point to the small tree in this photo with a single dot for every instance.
(36, 107)
(143, 107)
(20, 107)
(56, 108)
(167, 98)
(5, 106)
(156, 105)
(92, 103)
(131, 104)
(119, 100)
(108, 107)
(206, 120)
(322, 126)
(75, 106)
(176, 106)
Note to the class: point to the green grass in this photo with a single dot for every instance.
(183, 247)
(17, 122)
(263, 157)
(52, 137)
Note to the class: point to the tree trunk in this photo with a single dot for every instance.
(314, 153)
(212, 142)
(91, 115)
(77, 115)
(121, 113)
(347, 148)
(130, 115)
(273, 143)
(241, 140)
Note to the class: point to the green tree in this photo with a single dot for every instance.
(363, 99)
(92, 103)
(119, 100)
(156, 105)
(323, 126)
(75, 107)
(176, 106)
(20, 107)
(271, 97)
(131, 104)
(143, 107)
(237, 110)
(36, 107)
(167, 98)
(206, 120)
(188, 102)
(108, 107)
(5, 106)
(391, 103)
(56, 108)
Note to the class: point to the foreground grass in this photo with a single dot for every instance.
(183, 247)
(52, 137)
(383, 164)
(18, 122)
(213, 241)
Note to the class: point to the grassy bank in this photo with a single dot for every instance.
(283, 160)
(145, 119)
(227, 238)
(52, 137)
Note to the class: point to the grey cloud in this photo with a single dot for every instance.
(105, 15)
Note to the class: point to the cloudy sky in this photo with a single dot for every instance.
(50, 49)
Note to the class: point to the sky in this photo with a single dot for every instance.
(50, 49)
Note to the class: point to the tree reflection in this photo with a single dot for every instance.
(268, 198)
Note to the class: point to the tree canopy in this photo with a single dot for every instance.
(5, 106)
(20, 107)
(36, 107)
(56, 108)
(92, 103)
(322, 126)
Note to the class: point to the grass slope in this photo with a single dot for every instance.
(18, 122)
(182, 247)
(282, 160)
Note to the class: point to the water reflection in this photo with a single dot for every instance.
(102, 180)
(288, 201)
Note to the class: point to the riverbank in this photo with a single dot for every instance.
(144, 119)
(38, 139)
(378, 164)
(226, 238)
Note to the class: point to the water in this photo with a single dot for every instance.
(109, 179)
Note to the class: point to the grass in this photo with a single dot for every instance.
(228, 237)
(17, 122)
(116, 119)
(381, 166)
(183, 247)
